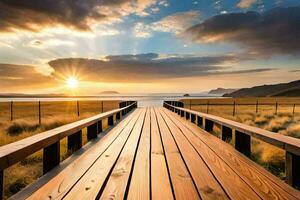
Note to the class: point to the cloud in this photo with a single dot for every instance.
(141, 30)
(175, 23)
(146, 67)
(276, 31)
(21, 76)
(246, 3)
(36, 15)
(50, 43)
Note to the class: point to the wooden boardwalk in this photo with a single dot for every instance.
(155, 154)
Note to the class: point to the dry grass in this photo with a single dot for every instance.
(25, 124)
(284, 122)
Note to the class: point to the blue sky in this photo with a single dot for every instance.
(158, 45)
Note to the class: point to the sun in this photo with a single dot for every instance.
(72, 82)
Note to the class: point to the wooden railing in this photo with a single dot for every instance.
(243, 134)
(49, 141)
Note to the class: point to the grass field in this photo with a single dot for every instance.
(286, 122)
(26, 123)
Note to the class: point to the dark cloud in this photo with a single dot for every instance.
(145, 67)
(21, 76)
(276, 31)
(77, 14)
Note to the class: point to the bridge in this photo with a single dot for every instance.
(154, 153)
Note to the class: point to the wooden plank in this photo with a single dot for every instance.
(263, 182)
(140, 180)
(58, 186)
(91, 183)
(118, 180)
(51, 157)
(207, 185)
(17, 151)
(224, 174)
(183, 184)
(288, 143)
(160, 183)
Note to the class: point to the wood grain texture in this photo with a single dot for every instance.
(139, 187)
(117, 182)
(160, 183)
(260, 180)
(60, 185)
(207, 185)
(183, 183)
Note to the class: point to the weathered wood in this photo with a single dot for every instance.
(75, 141)
(92, 131)
(100, 127)
(243, 143)
(111, 120)
(51, 157)
(292, 169)
(209, 125)
(199, 121)
(160, 183)
(226, 134)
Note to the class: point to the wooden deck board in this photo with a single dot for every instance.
(184, 187)
(139, 187)
(155, 154)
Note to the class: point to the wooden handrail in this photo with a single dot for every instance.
(243, 137)
(16, 151)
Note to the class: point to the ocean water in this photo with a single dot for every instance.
(143, 100)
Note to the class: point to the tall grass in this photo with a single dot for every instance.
(284, 122)
(26, 124)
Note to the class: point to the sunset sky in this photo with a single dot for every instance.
(147, 46)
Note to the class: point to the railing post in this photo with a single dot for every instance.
(102, 107)
(51, 157)
(276, 108)
(243, 143)
(193, 118)
(11, 111)
(1, 184)
(207, 107)
(75, 141)
(100, 129)
(199, 121)
(92, 131)
(294, 110)
(182, 113)
(292, 166)
(40, 120)
(209, 125)
(233, 112)
(226, 133)
(257, 106)
(111, 120)
(118, 116)
(187, 115)
(77, 103)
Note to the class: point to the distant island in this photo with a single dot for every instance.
(222, 91)
(291, 89)
(109, 92)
